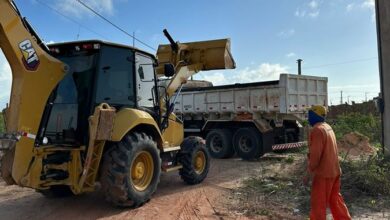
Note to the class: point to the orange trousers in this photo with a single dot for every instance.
(325, 192)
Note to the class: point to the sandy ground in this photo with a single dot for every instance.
(173, 199)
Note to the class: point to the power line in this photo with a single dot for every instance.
(341, 63)
(116, 26)
(67, 17)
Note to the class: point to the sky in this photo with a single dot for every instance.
(335, 38)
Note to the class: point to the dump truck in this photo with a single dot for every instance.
(92, 111)
(251, 119)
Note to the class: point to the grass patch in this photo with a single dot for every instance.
(365, 185)
(367, 178)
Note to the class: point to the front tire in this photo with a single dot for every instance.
(131, 171)
(195, 160)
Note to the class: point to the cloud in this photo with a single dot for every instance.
(368, 4)
(365, 5)
(313, 4)
(292, 54)
(353, 86)
(314, 14)
(263, 72)
(50, 42)
(74, 8)
(217, 78)
(286, 33)
(300, 13)
(350, 7)
(311, 9)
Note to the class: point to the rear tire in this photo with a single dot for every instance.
(131, 171)
(219, 143)
(195, 160)
(248, 143)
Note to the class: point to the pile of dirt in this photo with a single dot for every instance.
(355, 144)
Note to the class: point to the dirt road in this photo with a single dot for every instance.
(173, 199)
(220, 196)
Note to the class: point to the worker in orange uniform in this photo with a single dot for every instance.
(324, 168)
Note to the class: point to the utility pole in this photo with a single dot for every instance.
(382, 8)
(299, 61)
(341, 97)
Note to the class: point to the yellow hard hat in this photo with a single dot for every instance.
(319, 110)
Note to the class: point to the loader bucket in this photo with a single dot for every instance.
(212, 55)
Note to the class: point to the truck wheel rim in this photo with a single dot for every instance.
(142, 170)
(199, 162)
(245, 144)
(216, 144)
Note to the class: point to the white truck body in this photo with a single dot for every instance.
(292, 94)
(269, 113)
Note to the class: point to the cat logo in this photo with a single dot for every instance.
(30, 58)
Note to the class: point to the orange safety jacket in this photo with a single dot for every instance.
(323, 152)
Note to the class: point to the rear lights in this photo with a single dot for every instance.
(55, 50)
(77, 48)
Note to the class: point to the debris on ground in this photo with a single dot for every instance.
(365, 187)
(268, 188)
(355, 145)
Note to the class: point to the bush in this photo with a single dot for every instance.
(368, 176)
(368, 125)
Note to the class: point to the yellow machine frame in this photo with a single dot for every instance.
(35, 74)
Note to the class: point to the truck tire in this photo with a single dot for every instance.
(219, 143)
(195, 160)
(131, 171)
(248, 143)
(59, 191)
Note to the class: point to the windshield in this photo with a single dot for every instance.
(115, 81)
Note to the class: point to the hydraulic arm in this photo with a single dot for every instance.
(188, 59)
(34, 76)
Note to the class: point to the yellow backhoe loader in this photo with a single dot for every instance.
(93, 111)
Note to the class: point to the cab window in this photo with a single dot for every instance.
(115, 80)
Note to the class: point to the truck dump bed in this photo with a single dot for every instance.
(291, 94)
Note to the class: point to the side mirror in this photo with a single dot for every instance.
(169, 69)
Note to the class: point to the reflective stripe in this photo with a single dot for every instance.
(288, 145)
(29, 135)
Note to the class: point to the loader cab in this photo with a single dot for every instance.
(99, 72)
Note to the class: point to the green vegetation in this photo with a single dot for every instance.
(368, 125)
(367, 177)
(2, 129)
(365, 187)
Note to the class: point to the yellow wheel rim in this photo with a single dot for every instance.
(142, 170)
(199, 162)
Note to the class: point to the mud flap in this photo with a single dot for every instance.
(268, 141)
